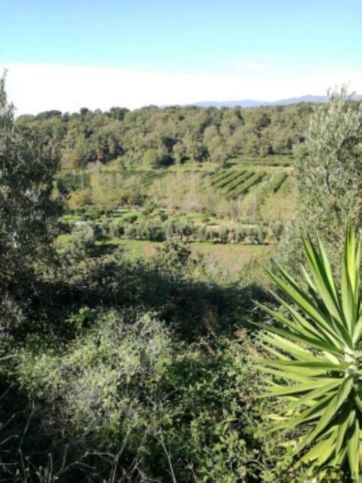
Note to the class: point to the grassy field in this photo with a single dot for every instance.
(228, 259)
(231, 259)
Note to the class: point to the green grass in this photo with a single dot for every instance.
(231, 257)
(71, 218)
(136, 249)
(232, 260)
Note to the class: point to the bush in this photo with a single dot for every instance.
(193, 410)
(116, 228)
(82, 241)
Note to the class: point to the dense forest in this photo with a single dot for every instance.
(129, 353)
(157, 137)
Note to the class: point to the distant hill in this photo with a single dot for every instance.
(282, 102)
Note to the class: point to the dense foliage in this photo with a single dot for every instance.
(160, 137)
(114, 369)
(139, 369)
(27, 215)
(328, 172)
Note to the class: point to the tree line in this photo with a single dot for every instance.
(159, 137)
(112, 370)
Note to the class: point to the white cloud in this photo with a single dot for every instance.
(243, 66)
(38, 87)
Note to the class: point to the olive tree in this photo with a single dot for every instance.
(328, 172)
(27, 168)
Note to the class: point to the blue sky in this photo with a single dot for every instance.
(184, 42)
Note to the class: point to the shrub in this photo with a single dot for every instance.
(123, 383)
(116, 228)
(318, 350)
(82, 241)
(130, 217)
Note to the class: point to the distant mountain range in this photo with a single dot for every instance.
(281, 102)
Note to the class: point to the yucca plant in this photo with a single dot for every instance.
(316, 362)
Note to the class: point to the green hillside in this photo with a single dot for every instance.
(200, 175)
(136, 308)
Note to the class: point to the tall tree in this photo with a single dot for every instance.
(328, 170)
(27, 168)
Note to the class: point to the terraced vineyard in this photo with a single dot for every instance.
(234, 183)
(150, 176)
(248, 194)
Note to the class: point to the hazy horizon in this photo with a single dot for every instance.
(120, 53)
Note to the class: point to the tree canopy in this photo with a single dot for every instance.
(162, 136)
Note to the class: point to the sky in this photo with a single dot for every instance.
(76, 53)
